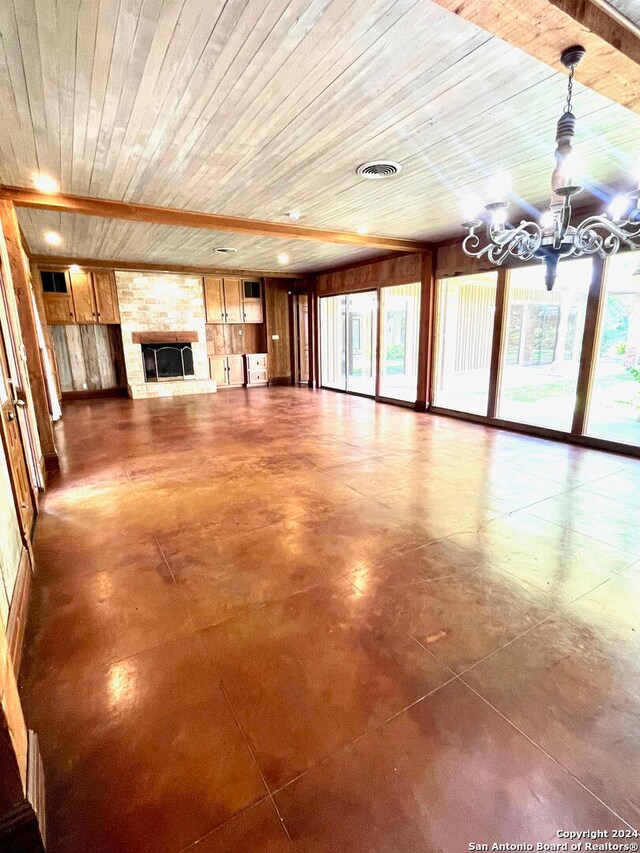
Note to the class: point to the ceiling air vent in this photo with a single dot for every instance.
(225, 250)
(375, 170)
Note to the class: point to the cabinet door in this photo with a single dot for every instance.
(235, 370)
(233, 300)
(213, 299)
(59, 308)
(218, 368)
(83, 301)
(104, 286)
(253, 311)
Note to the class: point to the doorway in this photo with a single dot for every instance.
(301, 337)
(348, 342)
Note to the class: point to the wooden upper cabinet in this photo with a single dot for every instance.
(58, 308)
(106, 296)
(214, 299)
(83, 297)
(252, 301)
(233, 300)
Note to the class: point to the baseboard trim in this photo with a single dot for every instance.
(281, 380)
(90, 395)
(51, 462)
(20, 830)
(17, 620)
(35, 782)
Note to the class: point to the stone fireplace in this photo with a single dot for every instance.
(164, 334)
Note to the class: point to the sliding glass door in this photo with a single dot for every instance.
(614, 410)
(362, 330)
(348, 337)
(333, 313)
(399, 341)
(466, 311)
(543, 344)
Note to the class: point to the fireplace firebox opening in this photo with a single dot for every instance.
(167, 361)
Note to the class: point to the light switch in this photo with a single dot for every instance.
(275, 337)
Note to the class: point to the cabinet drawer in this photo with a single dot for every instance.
(256, 361)
(256, 377)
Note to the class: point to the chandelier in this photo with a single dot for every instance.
(554, 237)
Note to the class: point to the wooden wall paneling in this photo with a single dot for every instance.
(497, 344)
(75, 349)
(402, 269)
(88, 339)
(588, 353)
(216, 344)
(21, 287)
(17, 621)
(104, 358)
(116, 348)
(426, 333)
(59, 336)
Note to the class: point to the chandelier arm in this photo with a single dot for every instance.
(602, 235)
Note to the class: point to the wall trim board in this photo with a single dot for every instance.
(92, 395)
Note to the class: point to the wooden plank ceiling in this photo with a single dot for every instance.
(630, 9)
(257, 108)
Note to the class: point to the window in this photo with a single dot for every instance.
(543, 340)
(400, 325)
(614, 408)
(464, 335)
(53, 282)
(251, 289)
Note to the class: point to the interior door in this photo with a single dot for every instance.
(213, 299)
(303, 337)
(233, 300)
(106, 297)
(83, 299)
(14, 449)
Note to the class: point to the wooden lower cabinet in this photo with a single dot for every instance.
(256, 364)
(232, 371)
(227, 370)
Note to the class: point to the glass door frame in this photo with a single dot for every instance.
(376, 353)
(586, 371)
(378, 338)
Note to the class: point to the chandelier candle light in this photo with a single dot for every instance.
(554, 237)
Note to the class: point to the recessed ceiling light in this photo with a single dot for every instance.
(376, 170)
(74, 268)
(283, 258)
(226, 250)
(46, 184)
(53, 238)
(362, 229)
(294, 215)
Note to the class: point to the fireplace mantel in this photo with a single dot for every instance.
(164, 337)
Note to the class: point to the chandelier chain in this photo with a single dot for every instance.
(568, 105)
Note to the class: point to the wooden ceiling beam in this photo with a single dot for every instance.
(544, 28)
(54, 262)
(110, 209)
